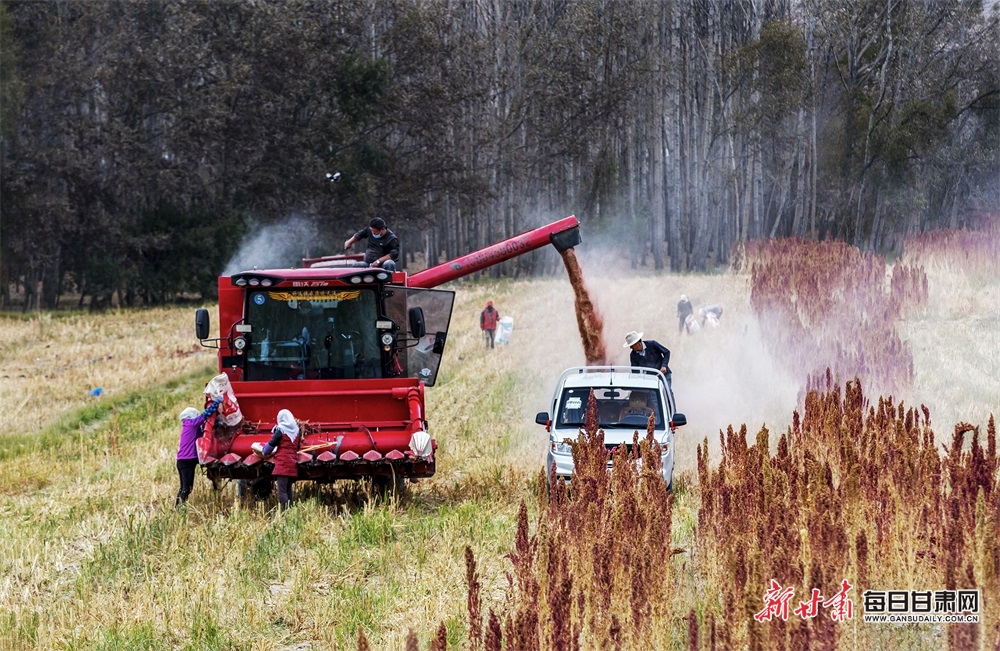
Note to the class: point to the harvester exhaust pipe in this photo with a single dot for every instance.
(563, 234)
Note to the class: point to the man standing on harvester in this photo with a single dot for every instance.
(383, 245)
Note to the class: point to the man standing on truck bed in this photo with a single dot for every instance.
(649, 354)
(383, 245)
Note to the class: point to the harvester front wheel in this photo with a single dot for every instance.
(217, 482)
(259, 489)
(392, 485)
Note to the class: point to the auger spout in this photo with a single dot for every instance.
(563, 234)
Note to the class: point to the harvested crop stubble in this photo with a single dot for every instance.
(52, 360)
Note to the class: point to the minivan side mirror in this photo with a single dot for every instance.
(201, 323)
(542, 418)
(679, 420)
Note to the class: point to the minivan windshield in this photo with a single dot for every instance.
(617, 406)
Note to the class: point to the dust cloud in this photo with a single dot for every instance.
(721, 376)
(274, 246)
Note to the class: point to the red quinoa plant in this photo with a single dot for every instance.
(855, 491)
(974, 252)
(596, 572)
(827, 304)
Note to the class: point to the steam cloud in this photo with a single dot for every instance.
(279, 245)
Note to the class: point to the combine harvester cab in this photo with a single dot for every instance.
(349, 351)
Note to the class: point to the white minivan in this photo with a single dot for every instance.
(626, 396)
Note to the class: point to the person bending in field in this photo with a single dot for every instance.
(192, 426)
(710, 314)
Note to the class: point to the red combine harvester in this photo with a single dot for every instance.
(349, 351)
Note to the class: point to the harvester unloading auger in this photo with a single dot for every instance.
(349, 351)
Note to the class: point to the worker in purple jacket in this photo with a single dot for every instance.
(192, 424)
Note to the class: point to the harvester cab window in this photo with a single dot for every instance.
(420, 357)
(312, 334)
(617, 407)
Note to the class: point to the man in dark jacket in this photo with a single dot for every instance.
(684, 310)
(649, 354)
(383, 245)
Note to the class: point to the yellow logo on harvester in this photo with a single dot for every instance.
(316, 295)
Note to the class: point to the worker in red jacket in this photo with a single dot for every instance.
(285, 441)
(488, 320)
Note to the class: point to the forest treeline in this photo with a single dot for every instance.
(144, 140)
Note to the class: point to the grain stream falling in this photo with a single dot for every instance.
(588, 317)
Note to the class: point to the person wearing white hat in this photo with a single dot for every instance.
(649, 354)
(684, 310)
(192, 423)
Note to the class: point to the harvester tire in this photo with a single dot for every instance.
(258, 489)
(393, 485)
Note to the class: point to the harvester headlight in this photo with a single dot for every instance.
(420, 443)
(387, 339)
(382, 275)
(255, 279)
(239, 343)
(369, 278)
(356, 280)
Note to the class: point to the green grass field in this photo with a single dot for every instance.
(94, 556)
